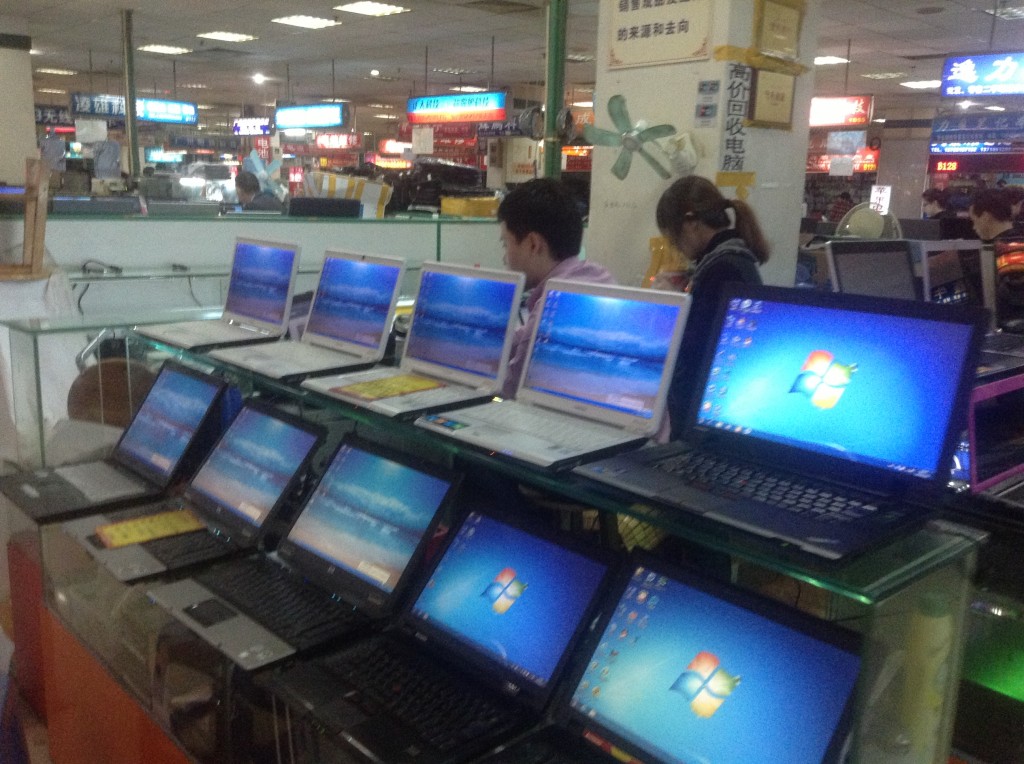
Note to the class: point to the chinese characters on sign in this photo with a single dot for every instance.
(998, 74)
(737, 99)
(772, 101)
(477, 107)
(53, 115)
(1006, 127)
(99, 105)
(846, 110)
(645, 32)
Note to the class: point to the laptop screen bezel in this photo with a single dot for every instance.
(355, 590)
(805, 461)
(621, 419)
(413, 365)
(229, 316)
(837, 249)
(368, 352)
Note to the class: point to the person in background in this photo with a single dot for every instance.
(541, 232)
(842, 204)
(991, 215)
(250, 197)
(724, 241)
(935, 204)
(1016, 196)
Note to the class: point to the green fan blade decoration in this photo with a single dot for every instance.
(631, 138)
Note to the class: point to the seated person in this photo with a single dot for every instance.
(935, 203)
(251, 197)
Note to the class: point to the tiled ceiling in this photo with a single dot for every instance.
(442, 43)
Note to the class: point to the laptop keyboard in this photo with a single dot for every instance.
(186, 548)
(551, 426)
(792, 493)
(444, 713)
(295, 611)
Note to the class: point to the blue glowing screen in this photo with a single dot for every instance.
(261, 278)
(353, 300)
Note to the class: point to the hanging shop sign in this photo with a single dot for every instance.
(338, 141)
(975, 147)
(169, 112)
(458, 107)
(847, 110)
(310, 116)
(53, 115)
(221, 144)
(391, 146)
(251, 126)
(864, 160)
(1004, 127)
(993, 74)
(648, 33)
(970, 164)
(99, 105)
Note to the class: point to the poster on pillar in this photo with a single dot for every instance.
(644, 33)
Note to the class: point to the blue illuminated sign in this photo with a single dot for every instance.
(174, 112)
(998, 74)
(310, 116)
(1000, 127)
(461, 107)
(971, 147)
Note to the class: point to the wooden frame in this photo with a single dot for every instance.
(777, 26)
(37, 194)
(771, 100)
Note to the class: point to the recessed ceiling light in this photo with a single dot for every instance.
(167, 50)
(259, 79)
(988, 108)
(62, 72)
(468, 89)
(375, 72)
(584, 104)
(55, 91)
(965, 104)
(227, 36)
(884, 75)
(367, 8)
(922, 84)
(830, 60)
(34, 52)
(307, 22)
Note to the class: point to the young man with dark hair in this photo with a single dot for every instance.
(247, 186)
(541, 231)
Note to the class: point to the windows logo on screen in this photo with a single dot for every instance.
(504, 590)
(705, 684)
(822, 379)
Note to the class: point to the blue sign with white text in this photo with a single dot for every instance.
(998, 74)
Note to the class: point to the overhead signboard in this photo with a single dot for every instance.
(251, 126)
(458, 107)
(989, 74)
(309, 116)
(335, 141)
(172, 112)
(847, 110)
(998, 127)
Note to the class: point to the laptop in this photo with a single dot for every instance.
(456, 351)
(475, 658)
(684, 669)
(878, 267)
(344, 564)
(823, 421)
(258, 303)
(348, 325)
(234, 498)
(595, 380)
(176, 423)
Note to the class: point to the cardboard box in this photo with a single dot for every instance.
(373, 194)
(470, 206)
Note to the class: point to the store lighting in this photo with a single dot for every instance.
(987, 108)
(227, 36)
(62, 72)
(193, 86)
(259, 79)
(884, 75)
(468, 89)
(1007, 13)
(295, 132)
(366, 8)
(54, 91)
(307, 22)
(584, 104)
(879, 121)
(375, 72)
(965, 104)
(830, 60)
(386, 116)
(451, 70)
(166, 50)
(579, 58)
(921, 84)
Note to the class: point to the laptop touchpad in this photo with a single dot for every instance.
(209, 612)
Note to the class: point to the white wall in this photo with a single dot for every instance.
(17, 117)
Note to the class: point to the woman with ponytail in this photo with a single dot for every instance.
(724, 243)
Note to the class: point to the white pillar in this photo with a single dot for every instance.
(17, 118)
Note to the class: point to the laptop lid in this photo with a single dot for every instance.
(261, 284)
(861, 389)
(953, 271)
(508, 604)
(173, 413)
(363, 530)
(605, 352)
(877, 267)
(354, 303)
(686, 670)
(462, 324)
(248, 475)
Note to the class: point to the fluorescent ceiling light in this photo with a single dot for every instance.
(366, 8)
(468, 89)
(58, 91)
(62, 72)
(965, 104)
(227, 36)
(307, 22)
(259, 79)
(450, 70)
(379, 106)
(989, 108)
(193, 86)
(167, 50)
(884, 75)
(34, 52)
(1008, 14)
(579, 58)
(584, 104)
(386, 116)
(203, 106)
(295, 132)
(830, 60)
(922, 84)
(879, 121)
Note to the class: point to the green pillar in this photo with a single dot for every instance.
(128, 59)
(558, 14)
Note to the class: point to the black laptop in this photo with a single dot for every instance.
(239, 491)
(824, 421)
(475, 659)
(176, 423)
(344, 564)
(684, 669)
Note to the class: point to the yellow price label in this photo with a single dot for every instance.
(390, 387)
(140, 529)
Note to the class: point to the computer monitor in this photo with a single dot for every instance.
(956, 228)
(952, 272)
(921, 229)
(874, 267)
(324, 207)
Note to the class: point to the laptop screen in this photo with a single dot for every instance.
(261, 279)
(253, 464)
(161, 431)
(684, 676)
(603, 350)
(881, 268)
(510, 596)
(954, 272)
(867, 388)
(353, 300)
(369, 515)
(460, 321)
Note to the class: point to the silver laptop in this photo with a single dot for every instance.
(875, 267)
(456, 351)
(258, 303)
(348, 325)
(178, 413)
(235, 494)
(596, 378)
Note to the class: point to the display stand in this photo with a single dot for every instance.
(37, 194)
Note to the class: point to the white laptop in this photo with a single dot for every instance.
(258, 303)
(348, 325)
(596, 378)
(456, 351)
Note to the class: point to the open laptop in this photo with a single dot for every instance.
(456, 351)
(227, 507)
(348, 325)
(258, 303)
(475, 659)
(824, 421)
(344, 564)
(684, 669)
(176, 423)
(596, 377)
(878, 267)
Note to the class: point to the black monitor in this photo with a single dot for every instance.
(956, 228)
(921, 229)
(324, 207)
